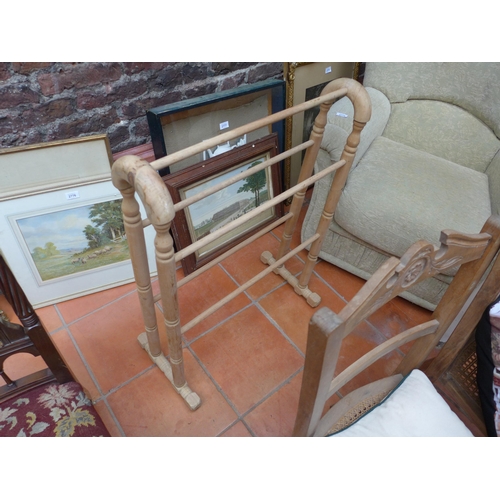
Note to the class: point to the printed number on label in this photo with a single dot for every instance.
(72, 195)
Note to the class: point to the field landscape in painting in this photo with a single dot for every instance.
(232, 202)
(77, 239)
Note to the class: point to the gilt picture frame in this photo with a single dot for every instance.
(181, 124)
(215, 211)
(68, 243)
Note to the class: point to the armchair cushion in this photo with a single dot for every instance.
(472, 86)
(444, 130)
(409, 196)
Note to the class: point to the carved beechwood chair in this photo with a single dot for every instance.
(49, 402)
(406, 403)
(132, 175)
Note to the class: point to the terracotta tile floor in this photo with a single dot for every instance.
(245, 361)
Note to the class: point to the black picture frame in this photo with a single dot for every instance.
(200, 118)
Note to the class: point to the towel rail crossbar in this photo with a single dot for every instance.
(170, 159)
(233, 250)
(181, 205)
(243, 175)
(229, 252)
(181, 254)
(248, 284)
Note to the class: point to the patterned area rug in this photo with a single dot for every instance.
(53, 410)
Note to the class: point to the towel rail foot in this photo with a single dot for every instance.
(191, 398)
(312, 298)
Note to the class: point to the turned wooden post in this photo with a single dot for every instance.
(137, 247)
(362, 112)
(32, 333)
(305, 173)
(131, 174)
(165, 262)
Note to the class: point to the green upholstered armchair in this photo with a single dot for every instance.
(429, 159)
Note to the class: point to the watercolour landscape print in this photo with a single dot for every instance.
(74, 240)
(218, 209)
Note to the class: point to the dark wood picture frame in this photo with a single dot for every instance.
(200, 118)
(198, 177)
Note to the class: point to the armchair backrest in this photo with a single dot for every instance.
(451, 110)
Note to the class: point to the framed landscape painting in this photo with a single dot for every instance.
(93, 236)
(64, 244)
(226, 205)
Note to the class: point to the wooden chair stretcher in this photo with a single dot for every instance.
(131, 174)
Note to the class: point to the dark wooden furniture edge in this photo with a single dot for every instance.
(30, 338)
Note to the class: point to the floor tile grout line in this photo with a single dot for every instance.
(80, 353)
(247, 427)
(316, 273)
(246, 293)
(264, 312)
(252, 302)
(89, 370)
(104, 398)
(100, 308)
(257, 301)
(271, 393)
(125, 383)
(114, 417)
(218, 388)
(278, 327)
(212, 328)
(242, 416)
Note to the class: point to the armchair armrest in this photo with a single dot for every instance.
(339, 126)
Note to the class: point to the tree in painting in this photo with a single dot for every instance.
(254, 183)
(93, 235)
(49, 250)
(108, 223)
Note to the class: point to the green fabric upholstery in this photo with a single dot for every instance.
(428, 160)
(443, 130)
(415, 187)
(474, 87)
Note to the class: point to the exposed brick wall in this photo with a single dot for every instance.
(42, 102)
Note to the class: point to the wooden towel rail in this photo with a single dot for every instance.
(131, 175)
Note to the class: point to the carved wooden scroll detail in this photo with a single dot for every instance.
(420, 262)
